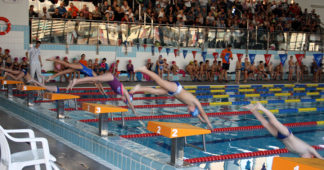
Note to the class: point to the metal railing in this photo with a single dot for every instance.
(100, 33)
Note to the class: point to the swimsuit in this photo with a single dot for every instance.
(24, 71)
(179, 88)
(57, 89)
(281, 136)
(116, 86)
(85, 70)
(161, 67)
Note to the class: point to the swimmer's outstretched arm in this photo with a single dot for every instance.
(130, 104)
(102, 78)
(60, 73)
(204, 116)
(315, 153)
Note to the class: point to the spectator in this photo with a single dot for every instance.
(90, 64)
(130, 70)
(85, 11)
(96, 66)
(44, 14)
(32, 13)
(149, 64)
(73, 10)
(83, 61)
(103, 66)
(238, 68)
(174, 68)
(109, 14)
(66, 76)
(24, 64)
(103, 8)
(7, 59)
(15, 64)
(56, 14)
(226, 56)
(96, 14)
(114, 68)
(62, 10)
(125, 7)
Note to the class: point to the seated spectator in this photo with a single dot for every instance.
(114, 68)
(56, 14)
(75, 74)
(130, 70)
(208, 71)
(278, 72)
(269, 70)
(96, 14)
(125, 7)
(15, 64)
(166, 69)
(73, 10)
(83, 61)
(213, 70)
(24, 64)
(174, 68)
(149, 64)
(96, 66)
(103, 8)
(190, 71)
(44, 14)
(85, 11)
(210, 19)
(109, 14)
(261, 71)
(103, 66)
(90, 64)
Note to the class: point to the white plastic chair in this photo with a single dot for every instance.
(19, 160)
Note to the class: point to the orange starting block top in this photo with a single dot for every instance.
(1, 78)
(280, 163)
(30, 88)
(102, 108)
(175, 130)
(59, 96)
(3, 82)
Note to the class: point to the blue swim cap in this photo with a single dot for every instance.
(195, 112)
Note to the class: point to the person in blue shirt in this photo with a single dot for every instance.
(103, 66)
(62, 10)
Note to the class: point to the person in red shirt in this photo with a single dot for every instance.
(83, 61)
(74, 10)
(226, 55)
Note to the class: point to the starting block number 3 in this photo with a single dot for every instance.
(97, 109)
(174, 131)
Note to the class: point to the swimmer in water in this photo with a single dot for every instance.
(176, 90)
(281, 132)
(112, 81)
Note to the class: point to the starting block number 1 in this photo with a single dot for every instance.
(174, 131)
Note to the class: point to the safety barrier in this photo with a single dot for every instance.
(178, 116)
(240, 155)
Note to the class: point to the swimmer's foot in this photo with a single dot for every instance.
(141, 69)
(135, 89)
(250, 107)
(71, 84)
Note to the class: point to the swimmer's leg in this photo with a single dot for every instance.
(60, 73)
(10, 71)
(66, 64)
(102, 78)
(150, 90)
(273, 120)
(168, 86)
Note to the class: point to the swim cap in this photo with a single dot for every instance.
(195, 113)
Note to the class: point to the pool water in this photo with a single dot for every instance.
(219, 143)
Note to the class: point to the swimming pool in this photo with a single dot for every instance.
(234, 133)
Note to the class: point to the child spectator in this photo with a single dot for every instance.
(75, 74)
(114, 69)
(291, 65)
(166, 69)
(213, 70)
(103, 68)
(261, 71)
(130, 70)
(90, 64)
(66, 76)
(238, 67)
(24, 64)
(174, 68)
(15, 64)
(149, 64)
(96, 66)
(246, 70)
(83, 61)
(190, 70)
(7, 59)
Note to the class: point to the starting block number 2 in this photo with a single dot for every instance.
(174, 131)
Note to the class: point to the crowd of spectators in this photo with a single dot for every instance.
(250, 14)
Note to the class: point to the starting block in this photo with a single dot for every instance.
(177, 132)
(60, 98)
(280, 163)
(30, 91)
(1, 78)
(103, 111)
(10, 84)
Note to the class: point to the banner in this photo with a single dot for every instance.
(184, 53)
(167, 50)
(283, 58)
(144, 45)
(194, 54)
(215, 54)
(318, 59)
(239, 56)
(252, 57)
(203, 54)
(267, 58)
(160, 48)
(153, 50)
(299, 58)
(175, 52)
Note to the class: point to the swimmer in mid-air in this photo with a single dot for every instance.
(176, 90)
(113, 82)
(75, 67)
(18, 75)
(281, 132)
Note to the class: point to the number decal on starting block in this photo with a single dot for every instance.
(24, 87)
(98, 110)
(159, 130)
(174, 132)
(4, 82)
(89, 108)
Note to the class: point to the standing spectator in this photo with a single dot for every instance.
(32, 13)
(103, 8)
(103, 66)
(7, 59)
(62, 10)
(44, 14)
(130, 70)
(109, 14)
(125, 7)
(238, 71)
(35, 62)
(291, 65)
(96, 14)
(226, 55)
(73, 10)
(85, 11)
(83, 61)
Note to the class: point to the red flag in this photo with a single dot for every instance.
(119, 42)
(144, 45)
(239, 56)
(299, 58)
(176, 52)
(160, 48)
(194, 54)
(267, 58)
(215, 54)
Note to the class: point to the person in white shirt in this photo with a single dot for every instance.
(35, 61)
(44, 14)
